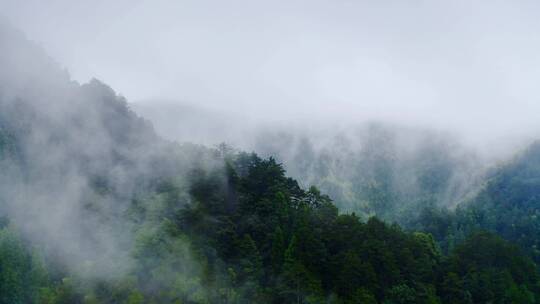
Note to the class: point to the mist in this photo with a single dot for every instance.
(462, 67)
(73, 160)
(126, 132)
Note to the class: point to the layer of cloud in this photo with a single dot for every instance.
(460, 65)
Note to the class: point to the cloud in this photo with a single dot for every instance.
(462, 66)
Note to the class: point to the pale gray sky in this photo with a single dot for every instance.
(472, 66)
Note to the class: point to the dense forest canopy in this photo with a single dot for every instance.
(96, 208)
(373, 168)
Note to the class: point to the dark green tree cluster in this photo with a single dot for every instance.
(508, 205)
(199, 225)
(377, 169)
(262, 238)
(248, 234)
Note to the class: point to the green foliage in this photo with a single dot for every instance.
(214, 226)
(247, 233)
(23, 277)
(508, 205)
(488, 269)
(241, 231)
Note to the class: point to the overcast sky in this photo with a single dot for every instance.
(469, 65)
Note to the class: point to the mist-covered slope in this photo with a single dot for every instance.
(95, 208)
(73, 158)
(510, 203)
(507, 204)
(379, 169)
(371, 168)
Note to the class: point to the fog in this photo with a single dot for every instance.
(312, 83)
(73, 158)
(387, 107)
(460, 66)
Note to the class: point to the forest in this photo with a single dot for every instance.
(95, 207)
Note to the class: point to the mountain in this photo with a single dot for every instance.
(508, 204)
(371, 168)
(96, 208)
(73, 158)
(379, 169)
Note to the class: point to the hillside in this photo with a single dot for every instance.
(371, 168)
(96, 208)
(508, 204)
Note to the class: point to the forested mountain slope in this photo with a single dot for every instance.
(95, 208)
(371, 168)
(508, 204)
(379, 169)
